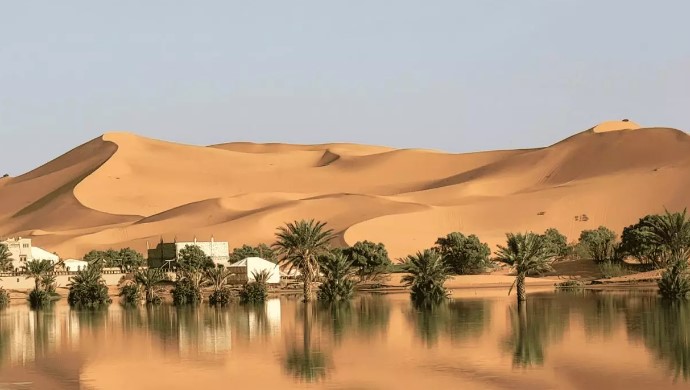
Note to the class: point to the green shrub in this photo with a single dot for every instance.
(253, 293)
(185, 293)
(4, 298)
(572, 283)
(221, 297)
(131, 294)
(87, 289)
(338, 285)
(426, 274)
(611, 269)
(463, 255)
(675, 281)
(39, 298)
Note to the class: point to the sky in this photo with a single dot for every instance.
(452, 75)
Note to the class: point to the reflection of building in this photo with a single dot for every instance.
(164, 252)
(201, 333)
(265, 320)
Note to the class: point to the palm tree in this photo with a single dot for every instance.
(299, 245)
(88, 289)
(217, 277)
(528, 255)
(426, 273)
(148, 280)
(672, 231)
(37, 269)
(339, 282)
(5, 258)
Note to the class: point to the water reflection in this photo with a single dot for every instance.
(457, 319)
(324, 343)
(306, 360)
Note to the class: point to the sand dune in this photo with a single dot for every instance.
(125, 190)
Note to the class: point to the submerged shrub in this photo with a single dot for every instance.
(186, 293)
(4, 298)
(131, 294)
(338, 284)
(426, 275)
(88, 289)
(39, 298)
(254, 293)
(221, 297)
(675, 281)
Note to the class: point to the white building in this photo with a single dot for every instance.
(218, 251)
(42, 254)
(20, 250)
(248, 266)
(74, 265)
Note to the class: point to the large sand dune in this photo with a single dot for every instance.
(124, 190)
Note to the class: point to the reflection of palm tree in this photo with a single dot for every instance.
(458, 319)
(306, 363)
(336, 316)
(373, 315)
(535, 325)
(665, 328)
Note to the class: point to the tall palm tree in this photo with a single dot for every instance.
(528, 255)
(299, 245)
(5, 258)
(37, 269)
(426, 273)
(339, 282)
(672, 231)
(148, 281)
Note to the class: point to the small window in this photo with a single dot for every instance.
(26, 245)
(22, 258)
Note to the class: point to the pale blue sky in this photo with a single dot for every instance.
(452, 75)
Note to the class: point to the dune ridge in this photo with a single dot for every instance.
(122, 189)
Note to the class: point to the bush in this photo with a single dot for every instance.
(253, 293)
(572, 283)
(463, 255)
(612, 269)
(87, 289)
(185, 293)
(426, 274)
(39, 298)
(599, 243)
(338, 284)
(131, 294)
(556, 243)
(4, 298)
(675, 281)
(221, 297)
(368, 258)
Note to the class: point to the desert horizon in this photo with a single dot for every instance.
(124, 190)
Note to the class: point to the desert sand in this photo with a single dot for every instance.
(122, 190)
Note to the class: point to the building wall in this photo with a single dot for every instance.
(20, 248)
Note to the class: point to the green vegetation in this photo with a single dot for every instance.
(217, 278)
(612, 269)
(185, 292)
(262, 250)
(44, 283)
(191, 257)
(675, 281)
(127, 259)
(671, 233)
(299, 245)
(528, 255)
(131, 294)
(87, 289)
(5, 259)
(599, 243)
(4, 298)
(338, 282)
(255, 291)
(463, 255)
(572, 283)
(637, 242)
(556, 244)
(426, 274)
(369, 260)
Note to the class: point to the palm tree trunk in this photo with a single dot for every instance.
(307, 287)
(521, 293)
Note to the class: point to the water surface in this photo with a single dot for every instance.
(479, 340)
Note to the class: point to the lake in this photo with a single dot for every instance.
(479, 340)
